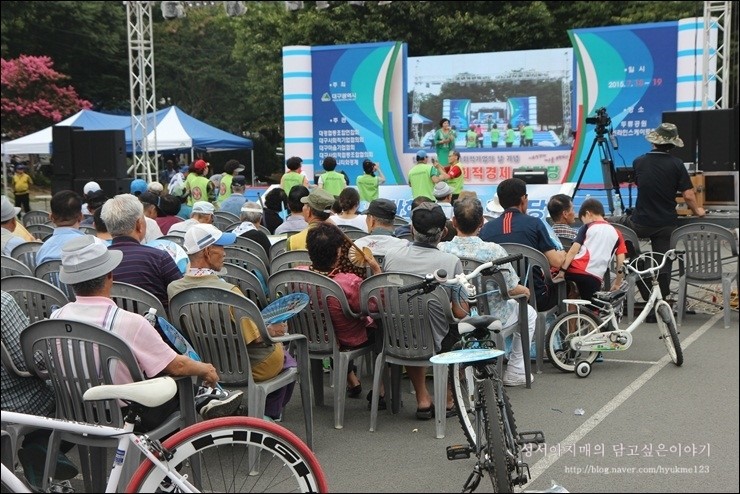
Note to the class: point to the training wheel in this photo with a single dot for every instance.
(583, 369)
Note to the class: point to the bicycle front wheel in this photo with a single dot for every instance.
(496, 451)
(667, 326)
(222, 447)
(566, 327)
(463, 394)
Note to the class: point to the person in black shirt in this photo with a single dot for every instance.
(659, 176)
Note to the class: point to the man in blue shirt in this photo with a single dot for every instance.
(66, 214)
(233, 204)
(516, 226)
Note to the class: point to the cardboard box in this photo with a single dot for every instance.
(681, 208)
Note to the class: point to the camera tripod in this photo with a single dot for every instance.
(607, 167)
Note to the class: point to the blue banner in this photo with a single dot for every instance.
(631, 72)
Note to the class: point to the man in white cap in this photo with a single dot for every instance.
(204, 245)
(87, 266)
(251, 216)
(8, 223)
(443, 194)
(659, 176)
(202, 213)
(88, 189)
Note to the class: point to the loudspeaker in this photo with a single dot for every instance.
(60, 183)
(111, 186)
(688, 129)
(718, 147)
(62, 153)
(99, 154)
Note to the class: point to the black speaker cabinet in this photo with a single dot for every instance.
(63, 182)
(111, 186)
(62, 153)
(718, 147)
(688, 129)
(100, 154)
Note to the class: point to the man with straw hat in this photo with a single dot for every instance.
(87, 266)
(659, 176)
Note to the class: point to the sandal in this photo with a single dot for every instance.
(382, 405)
(354, 391)
(425, 413)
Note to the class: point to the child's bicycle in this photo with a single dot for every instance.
(483, 408)
(577, 336)
(210, 456)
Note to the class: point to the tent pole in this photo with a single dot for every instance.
(252, 153)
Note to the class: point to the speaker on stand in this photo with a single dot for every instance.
(688, 129)
(718, 147)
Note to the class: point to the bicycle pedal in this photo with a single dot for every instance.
(458, 452)
(531, 437)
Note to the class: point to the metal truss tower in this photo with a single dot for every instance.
(143, 89)
(717, 14)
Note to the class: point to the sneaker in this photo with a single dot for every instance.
(221, 407)
(515, 379)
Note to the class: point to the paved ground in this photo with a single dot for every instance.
(638, 407)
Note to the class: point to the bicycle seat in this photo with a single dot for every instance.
(478, 323)
(612, 298)
(150, 393)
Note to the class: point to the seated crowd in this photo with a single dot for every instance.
(441, 232)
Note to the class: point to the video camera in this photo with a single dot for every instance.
(601, 120)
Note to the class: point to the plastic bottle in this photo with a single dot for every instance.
(617, 205)
(151, 316)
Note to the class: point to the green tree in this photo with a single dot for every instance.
(86, 40)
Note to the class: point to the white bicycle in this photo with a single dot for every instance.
(577, 336)
(210, 456)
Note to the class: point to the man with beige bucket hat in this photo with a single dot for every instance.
(87, 266)
(659, 176)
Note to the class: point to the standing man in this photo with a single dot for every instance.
(22, 182)
(196, 183)
(528, 135)
(659, 176)
(423, 176)
(455, 172)
(331, 180)
(231, 169)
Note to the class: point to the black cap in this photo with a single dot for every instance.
(428, 218)
(382, 208)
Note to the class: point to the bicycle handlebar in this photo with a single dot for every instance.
(670, 254)
(438, 277)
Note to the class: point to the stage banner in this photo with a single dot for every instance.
(358, 107)
(631, 72)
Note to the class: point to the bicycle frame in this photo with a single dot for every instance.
(617, 339)
(125, 436)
